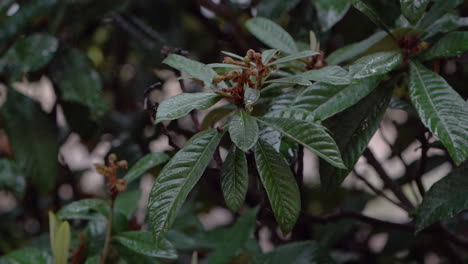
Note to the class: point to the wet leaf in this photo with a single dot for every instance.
(181, 104)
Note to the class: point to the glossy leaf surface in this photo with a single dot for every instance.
(181, 104)
(234, 178)
(178, 178)
(280, 185)
(243, 130)
(441, 109)
(271, 34)
(144, 164)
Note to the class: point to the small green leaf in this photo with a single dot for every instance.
(268, 54)
(298, 79)
(27, 256)
(149, 161)
(439, 8)
(375, 64)
(445, 199)
(216, 115)
(280, 185)
(371, 14)
(243, 130)
(451, 45)
(251, 96)
(11, 178)
(441, 109)
(413, 9)
(181, 104)
(142, 243)
(271, 34)
(330, 12)
(193, 68)
(234, 179)
(230, 54)
(325, 100)
(295, 56)
(306, 252)
(177, 179)
(235, 238)
(31, 53)
(33, 137)
(78, 82)
(311, 135)
(352, 130)
(353, 50)
(80, 209)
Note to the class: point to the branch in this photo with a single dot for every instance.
(376, 190)
(421, 165)
(169, 138)
(393, 186)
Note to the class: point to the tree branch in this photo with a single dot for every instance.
(393, 186)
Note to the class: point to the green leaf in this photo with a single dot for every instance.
(451, 45)
(142, 243)
(295, 56)
(375, 64)
(178, 178)
(352, 50)
(234, 239)
(127, 202)
(243, 130)
(251, 96)
(311, 135)
(445, 199)
(234, 179)
(230, 54)
(33, 137)
(439, 8)
(78, 82)
(330, 74)
(271, 34)
(352, 130)
(371, 14)
(181, 104)
(30, 54)
(413, 9)
(330, 12)
(24, 18)
(193, 68)
(216, 115)
(268, 54)
(11, 178)
(325, 100)
(80, 209)
(280, 185)
(27, 256)
(93, 260)
(149, 161)
(441, 109)
(226, 65)
(446, 23)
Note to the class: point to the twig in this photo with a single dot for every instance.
(300, 168)
(395, 188)
(169, 138)
(376, 190)
(105, 251)
(421, 166)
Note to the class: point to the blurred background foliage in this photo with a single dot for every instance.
(80, 69)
